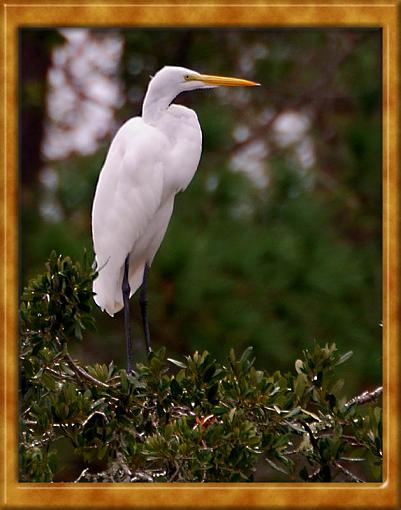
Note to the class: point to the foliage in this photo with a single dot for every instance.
(196, 420)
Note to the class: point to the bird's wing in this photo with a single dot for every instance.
(128, 194)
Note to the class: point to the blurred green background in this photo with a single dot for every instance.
(277, 241)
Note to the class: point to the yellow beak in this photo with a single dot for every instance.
(222, 80)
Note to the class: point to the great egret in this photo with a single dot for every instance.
(151, 158)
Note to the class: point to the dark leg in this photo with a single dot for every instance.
(128, 338)
(143, 303)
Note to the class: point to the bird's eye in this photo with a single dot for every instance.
(186, 77)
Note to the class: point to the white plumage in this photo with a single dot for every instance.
(151, 158)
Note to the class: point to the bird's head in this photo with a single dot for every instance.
(170, 81)
(181, 79)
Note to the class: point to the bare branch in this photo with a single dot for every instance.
(348, 473)
(81, 372)
(366, 397)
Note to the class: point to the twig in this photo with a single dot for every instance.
(83, 473)
(365, 397)
(346, 471)
(58, 375)
(171, 479)
(80, 371)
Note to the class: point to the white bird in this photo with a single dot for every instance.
(150, 160)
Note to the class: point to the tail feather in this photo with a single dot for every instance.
(108, 285)
(135, 277)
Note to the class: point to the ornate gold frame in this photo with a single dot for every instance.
(293, 13)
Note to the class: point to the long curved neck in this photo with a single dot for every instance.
(156, 103)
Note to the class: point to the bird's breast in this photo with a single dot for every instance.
(181, 127)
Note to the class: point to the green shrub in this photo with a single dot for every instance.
(195, 420)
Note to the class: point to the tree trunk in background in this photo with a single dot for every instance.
(34, 63)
